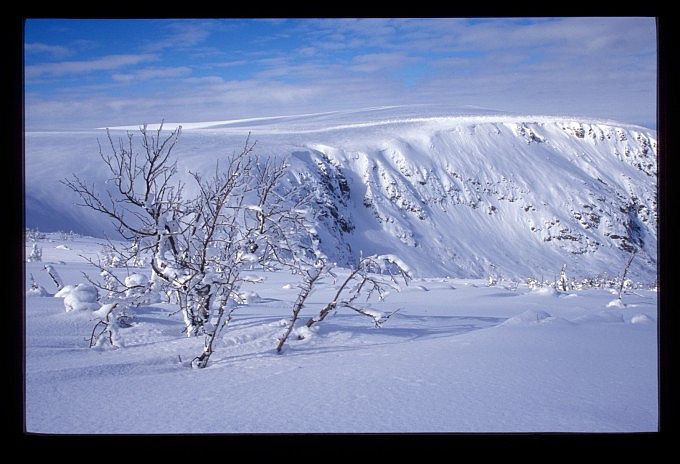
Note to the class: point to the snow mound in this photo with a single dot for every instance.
(287, 287)
(616, 303)
(37, 291)
(546, 291)
(601, 316)
(62, 247)
(136, 284)
(253, 278)
(533, 317)
(105, 310)
(641, 319)
(135, 280)
(303, 333)
(81, 297)
(249, 298)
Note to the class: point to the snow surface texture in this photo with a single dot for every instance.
(450, 195)
(460, 357)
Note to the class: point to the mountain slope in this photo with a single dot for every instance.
(462, 195)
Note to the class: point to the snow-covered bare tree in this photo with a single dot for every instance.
(624, 273)
(372, 275)
(243, 216)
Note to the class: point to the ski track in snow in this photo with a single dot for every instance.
(461, 357)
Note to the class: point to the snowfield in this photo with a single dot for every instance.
(459, 356)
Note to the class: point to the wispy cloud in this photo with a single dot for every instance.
(54, 51)
(151, 73)
(105, 63)
(373, 62)
(181, 35)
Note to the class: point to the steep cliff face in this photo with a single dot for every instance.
(450, 195)
(524, 197)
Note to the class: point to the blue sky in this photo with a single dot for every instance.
(92, 73)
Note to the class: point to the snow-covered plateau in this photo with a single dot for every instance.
(459, 356)
(459, 196)
(514, 228)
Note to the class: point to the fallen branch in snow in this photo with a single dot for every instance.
(56, 278)
(378, 318)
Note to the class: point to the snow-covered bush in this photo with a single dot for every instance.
(79, 297)
(493, 277)
(34, 235)
(563, 282)
(36, 289)
(135, 285)
(36, 254)
(109, 325)
(533, 283)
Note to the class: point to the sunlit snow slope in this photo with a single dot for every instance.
(452, 195)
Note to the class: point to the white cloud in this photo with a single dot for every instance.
(182, 34)
(104, 63)
(55, 51)
(151, 73)
(373, 62)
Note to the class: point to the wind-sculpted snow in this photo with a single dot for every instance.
(462, 195)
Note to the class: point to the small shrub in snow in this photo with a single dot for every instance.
(493, 277)
(36, 289)
(109, 325)
(36, 254)
(135, 285)
(563, 282)
(34, 235)
(533, 283)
